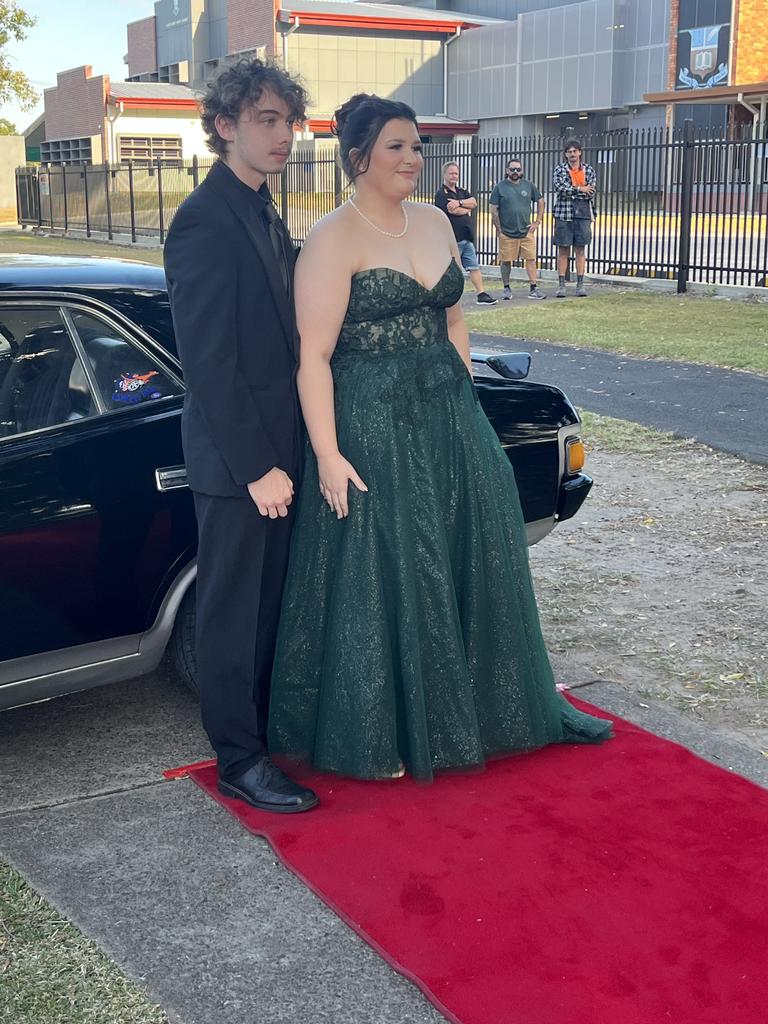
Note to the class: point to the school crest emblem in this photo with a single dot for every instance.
(704, 71)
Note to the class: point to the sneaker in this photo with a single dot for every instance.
(560, 293)
(484, 299)
(581, 291)
(507, 293)
(534, 293)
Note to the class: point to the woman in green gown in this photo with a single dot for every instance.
(409, 635)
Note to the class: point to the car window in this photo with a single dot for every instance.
(42, 381)
(126, 375)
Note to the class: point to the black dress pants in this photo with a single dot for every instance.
(241, 566)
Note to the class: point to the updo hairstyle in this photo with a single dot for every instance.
(357, 124)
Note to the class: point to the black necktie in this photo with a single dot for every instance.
(277, 238)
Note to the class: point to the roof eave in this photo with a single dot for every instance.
(720, 93)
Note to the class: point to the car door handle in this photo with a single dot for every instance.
(171, 478)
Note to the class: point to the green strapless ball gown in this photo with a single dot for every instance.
(409, 632)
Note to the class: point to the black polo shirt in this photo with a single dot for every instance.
(460, 222)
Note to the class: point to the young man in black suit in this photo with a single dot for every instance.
(229, 266)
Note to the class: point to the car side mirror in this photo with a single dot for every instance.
(512, 365)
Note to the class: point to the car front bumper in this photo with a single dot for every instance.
(573, 491)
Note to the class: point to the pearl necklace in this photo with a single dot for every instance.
(389, 234)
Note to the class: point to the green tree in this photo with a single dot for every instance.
(7, 127)
(14, 85)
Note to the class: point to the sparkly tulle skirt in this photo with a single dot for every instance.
(409, 632)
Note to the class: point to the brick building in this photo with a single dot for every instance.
(337, 47)
(497, 67)
(717, 71)
(90, 119)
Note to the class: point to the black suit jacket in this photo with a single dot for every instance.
(236, 336)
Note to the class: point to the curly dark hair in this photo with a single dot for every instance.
(575, 143)
(357, 124)
(242, 84)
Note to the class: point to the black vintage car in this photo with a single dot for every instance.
(97, 528)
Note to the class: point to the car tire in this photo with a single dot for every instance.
(182, 645)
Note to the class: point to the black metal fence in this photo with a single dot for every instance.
(671, 203)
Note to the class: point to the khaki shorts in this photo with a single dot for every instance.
(511, 249)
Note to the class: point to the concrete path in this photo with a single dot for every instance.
(176, 892)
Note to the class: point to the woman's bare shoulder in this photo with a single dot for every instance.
(332, 231)
(426, 217)
(425, 212)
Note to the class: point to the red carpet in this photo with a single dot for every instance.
(619, 884)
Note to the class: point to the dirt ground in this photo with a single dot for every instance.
(660, 582)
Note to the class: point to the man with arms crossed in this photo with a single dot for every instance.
(458, 205)
(229, 266)
(511, 203)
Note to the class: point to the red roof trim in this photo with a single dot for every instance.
(440, 128)
(153, 103)
(320, 19)
(321, 124)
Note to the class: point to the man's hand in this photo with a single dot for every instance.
(533, 227)
(588, 189)
(272, 493)
(453, 205)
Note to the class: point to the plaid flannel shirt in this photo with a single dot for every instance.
(565, 191)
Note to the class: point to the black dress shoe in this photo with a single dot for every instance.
(263, 785)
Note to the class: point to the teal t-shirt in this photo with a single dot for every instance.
(514, 203)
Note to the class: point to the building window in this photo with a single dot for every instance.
(66, 151)
(145, 149)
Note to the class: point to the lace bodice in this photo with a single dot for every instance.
(389, 310)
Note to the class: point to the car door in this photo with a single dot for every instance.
(89, 411)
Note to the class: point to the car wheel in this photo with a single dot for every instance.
(182, 646)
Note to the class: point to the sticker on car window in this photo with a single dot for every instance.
(133, 388)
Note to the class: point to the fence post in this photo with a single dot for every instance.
(64, 196)
(474, 188)
(19, 211)
(39, 200)
(474, 167)
(337, 185)
(686, 205)
(195, 171)
(284, 193)
(50, 194)
(108, 200)
(160, 210)
(87, 204)
(131, 201)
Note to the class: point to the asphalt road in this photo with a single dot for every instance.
(725, 409)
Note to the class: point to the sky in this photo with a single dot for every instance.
(69, 33)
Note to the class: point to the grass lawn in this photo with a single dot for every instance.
(51, 974)
(622, 436)
(26, 242)
(718, 332)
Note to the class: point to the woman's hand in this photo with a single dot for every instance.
(335, 473)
